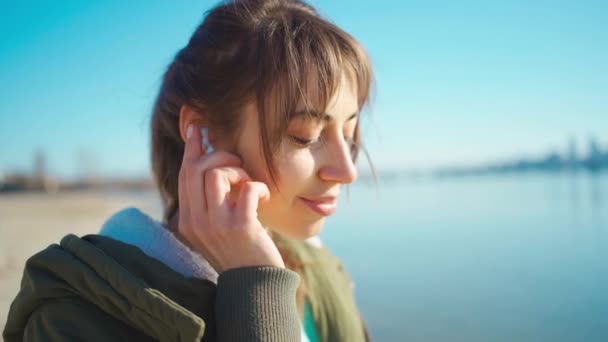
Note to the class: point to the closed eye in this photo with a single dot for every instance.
(303, 142)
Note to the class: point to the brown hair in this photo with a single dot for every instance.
(278, 53)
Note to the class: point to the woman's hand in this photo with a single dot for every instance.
(224, 230)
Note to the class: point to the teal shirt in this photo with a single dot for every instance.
(309, 323)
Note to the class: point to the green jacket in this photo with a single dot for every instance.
(96, 288)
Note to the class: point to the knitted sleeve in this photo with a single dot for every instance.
(257, 304)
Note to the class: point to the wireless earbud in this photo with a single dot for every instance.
(205, 137)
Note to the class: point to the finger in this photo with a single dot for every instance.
(182, 199)
(191, 153)
(252, 193)
(195, 178)
(192, 148)
(218, 184)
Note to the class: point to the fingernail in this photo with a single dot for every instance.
(189, 131)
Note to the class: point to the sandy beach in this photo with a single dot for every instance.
(30, 222)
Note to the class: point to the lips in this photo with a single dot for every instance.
(323, 206)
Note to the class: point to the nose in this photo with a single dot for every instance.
(338, 166)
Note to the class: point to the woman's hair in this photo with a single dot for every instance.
(276, 53)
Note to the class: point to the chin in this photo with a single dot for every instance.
(302, 232)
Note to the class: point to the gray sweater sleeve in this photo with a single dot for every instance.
(257, 304)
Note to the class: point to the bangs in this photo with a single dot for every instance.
(323, 58)
(302, 61)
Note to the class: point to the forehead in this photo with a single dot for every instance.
(340, 105)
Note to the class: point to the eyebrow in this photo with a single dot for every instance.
(320, 116)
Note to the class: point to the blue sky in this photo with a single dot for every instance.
(457, 81)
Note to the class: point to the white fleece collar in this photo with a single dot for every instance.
(133, 227)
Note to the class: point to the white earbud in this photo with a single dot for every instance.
(206, 144)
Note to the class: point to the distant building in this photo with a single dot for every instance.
(572, 156)
(39, 165)
(37, 180)
(595, 158)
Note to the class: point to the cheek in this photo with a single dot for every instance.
(296, 169)
(295, 173)
(295, 177)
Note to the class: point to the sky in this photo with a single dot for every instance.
(457, 82)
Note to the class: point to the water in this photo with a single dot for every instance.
(495, 258)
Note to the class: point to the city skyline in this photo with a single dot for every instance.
(595, 158)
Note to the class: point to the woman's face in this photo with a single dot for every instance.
(313, 162)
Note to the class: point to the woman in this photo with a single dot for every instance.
(279, 91)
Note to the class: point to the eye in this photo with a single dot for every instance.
(303, 142)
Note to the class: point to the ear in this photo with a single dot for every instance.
(189, 116)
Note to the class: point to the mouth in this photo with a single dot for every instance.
(324, 206)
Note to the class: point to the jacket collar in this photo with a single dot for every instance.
(133, 227)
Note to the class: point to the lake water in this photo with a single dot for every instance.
(492, 258)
